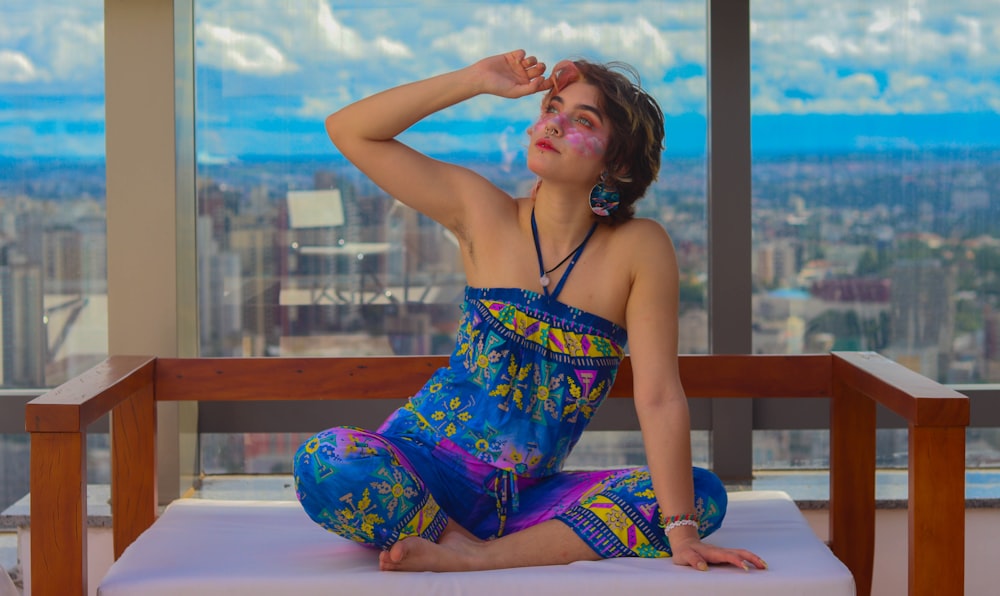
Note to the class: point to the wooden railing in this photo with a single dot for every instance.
(130, 386)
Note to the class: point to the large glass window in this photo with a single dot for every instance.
(876, 180)
(53, 296)
(299, 254)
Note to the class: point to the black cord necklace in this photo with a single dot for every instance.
(566, 258)
(543, 278)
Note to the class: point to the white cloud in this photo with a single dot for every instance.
(553, 33)
(246, 53)
(18, 141)
(884, 143)
(314, 32)
(905, 83)
(973, 32)
(338, 37)
(884, 20)
(28, 111)
(389, 47)
(820, 92)
(320, 107)
(681, 96)
(915, 52)
(77, 50)
(490, 30)
(860, 85)
(636, 41)
(26, 141)
(689, 46)
(56, 43)
(15, 67)
(509, 149)
(977, 94)
(826, 44)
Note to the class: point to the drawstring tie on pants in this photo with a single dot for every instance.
(505, 489)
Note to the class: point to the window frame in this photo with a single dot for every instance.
(729, 227)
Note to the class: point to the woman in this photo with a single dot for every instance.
(468, 474)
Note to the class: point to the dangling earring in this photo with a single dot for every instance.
(604, 198)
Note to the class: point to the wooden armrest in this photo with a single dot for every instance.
(919, 400)
(937, 417)
(277, 379)
(57, 421)
(75, 404)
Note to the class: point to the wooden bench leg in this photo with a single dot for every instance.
(852, 483)
(133, 468)
(58, 514)
(937, 511)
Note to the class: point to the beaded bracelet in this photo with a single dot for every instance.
(675, 521)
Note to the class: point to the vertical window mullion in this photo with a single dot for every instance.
(729, 229)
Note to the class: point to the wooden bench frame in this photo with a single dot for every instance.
(130, 386)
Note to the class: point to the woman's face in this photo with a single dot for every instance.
(571, 135)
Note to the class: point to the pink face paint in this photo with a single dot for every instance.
(584, 142)
(580, 139)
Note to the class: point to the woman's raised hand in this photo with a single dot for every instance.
(512, 75)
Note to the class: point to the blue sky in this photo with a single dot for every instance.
(861, 75)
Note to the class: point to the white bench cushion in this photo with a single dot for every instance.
(202, 547)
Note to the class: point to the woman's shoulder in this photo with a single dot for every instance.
(643, 232)
(637, 240)
(488, 209)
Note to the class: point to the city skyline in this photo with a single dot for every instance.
(851, 76)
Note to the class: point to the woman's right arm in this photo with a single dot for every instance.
(365, 132)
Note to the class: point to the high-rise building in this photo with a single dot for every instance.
(922, 315)
(220, 295)
(776, 263)
(63, 260)
(22, 323)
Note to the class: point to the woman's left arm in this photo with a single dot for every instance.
(661, 405)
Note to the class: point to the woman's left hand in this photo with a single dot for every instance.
(695, 553)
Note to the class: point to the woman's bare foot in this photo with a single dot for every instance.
(454, 552)
(549, 543)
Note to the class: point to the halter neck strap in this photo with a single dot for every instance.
(542, 275)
